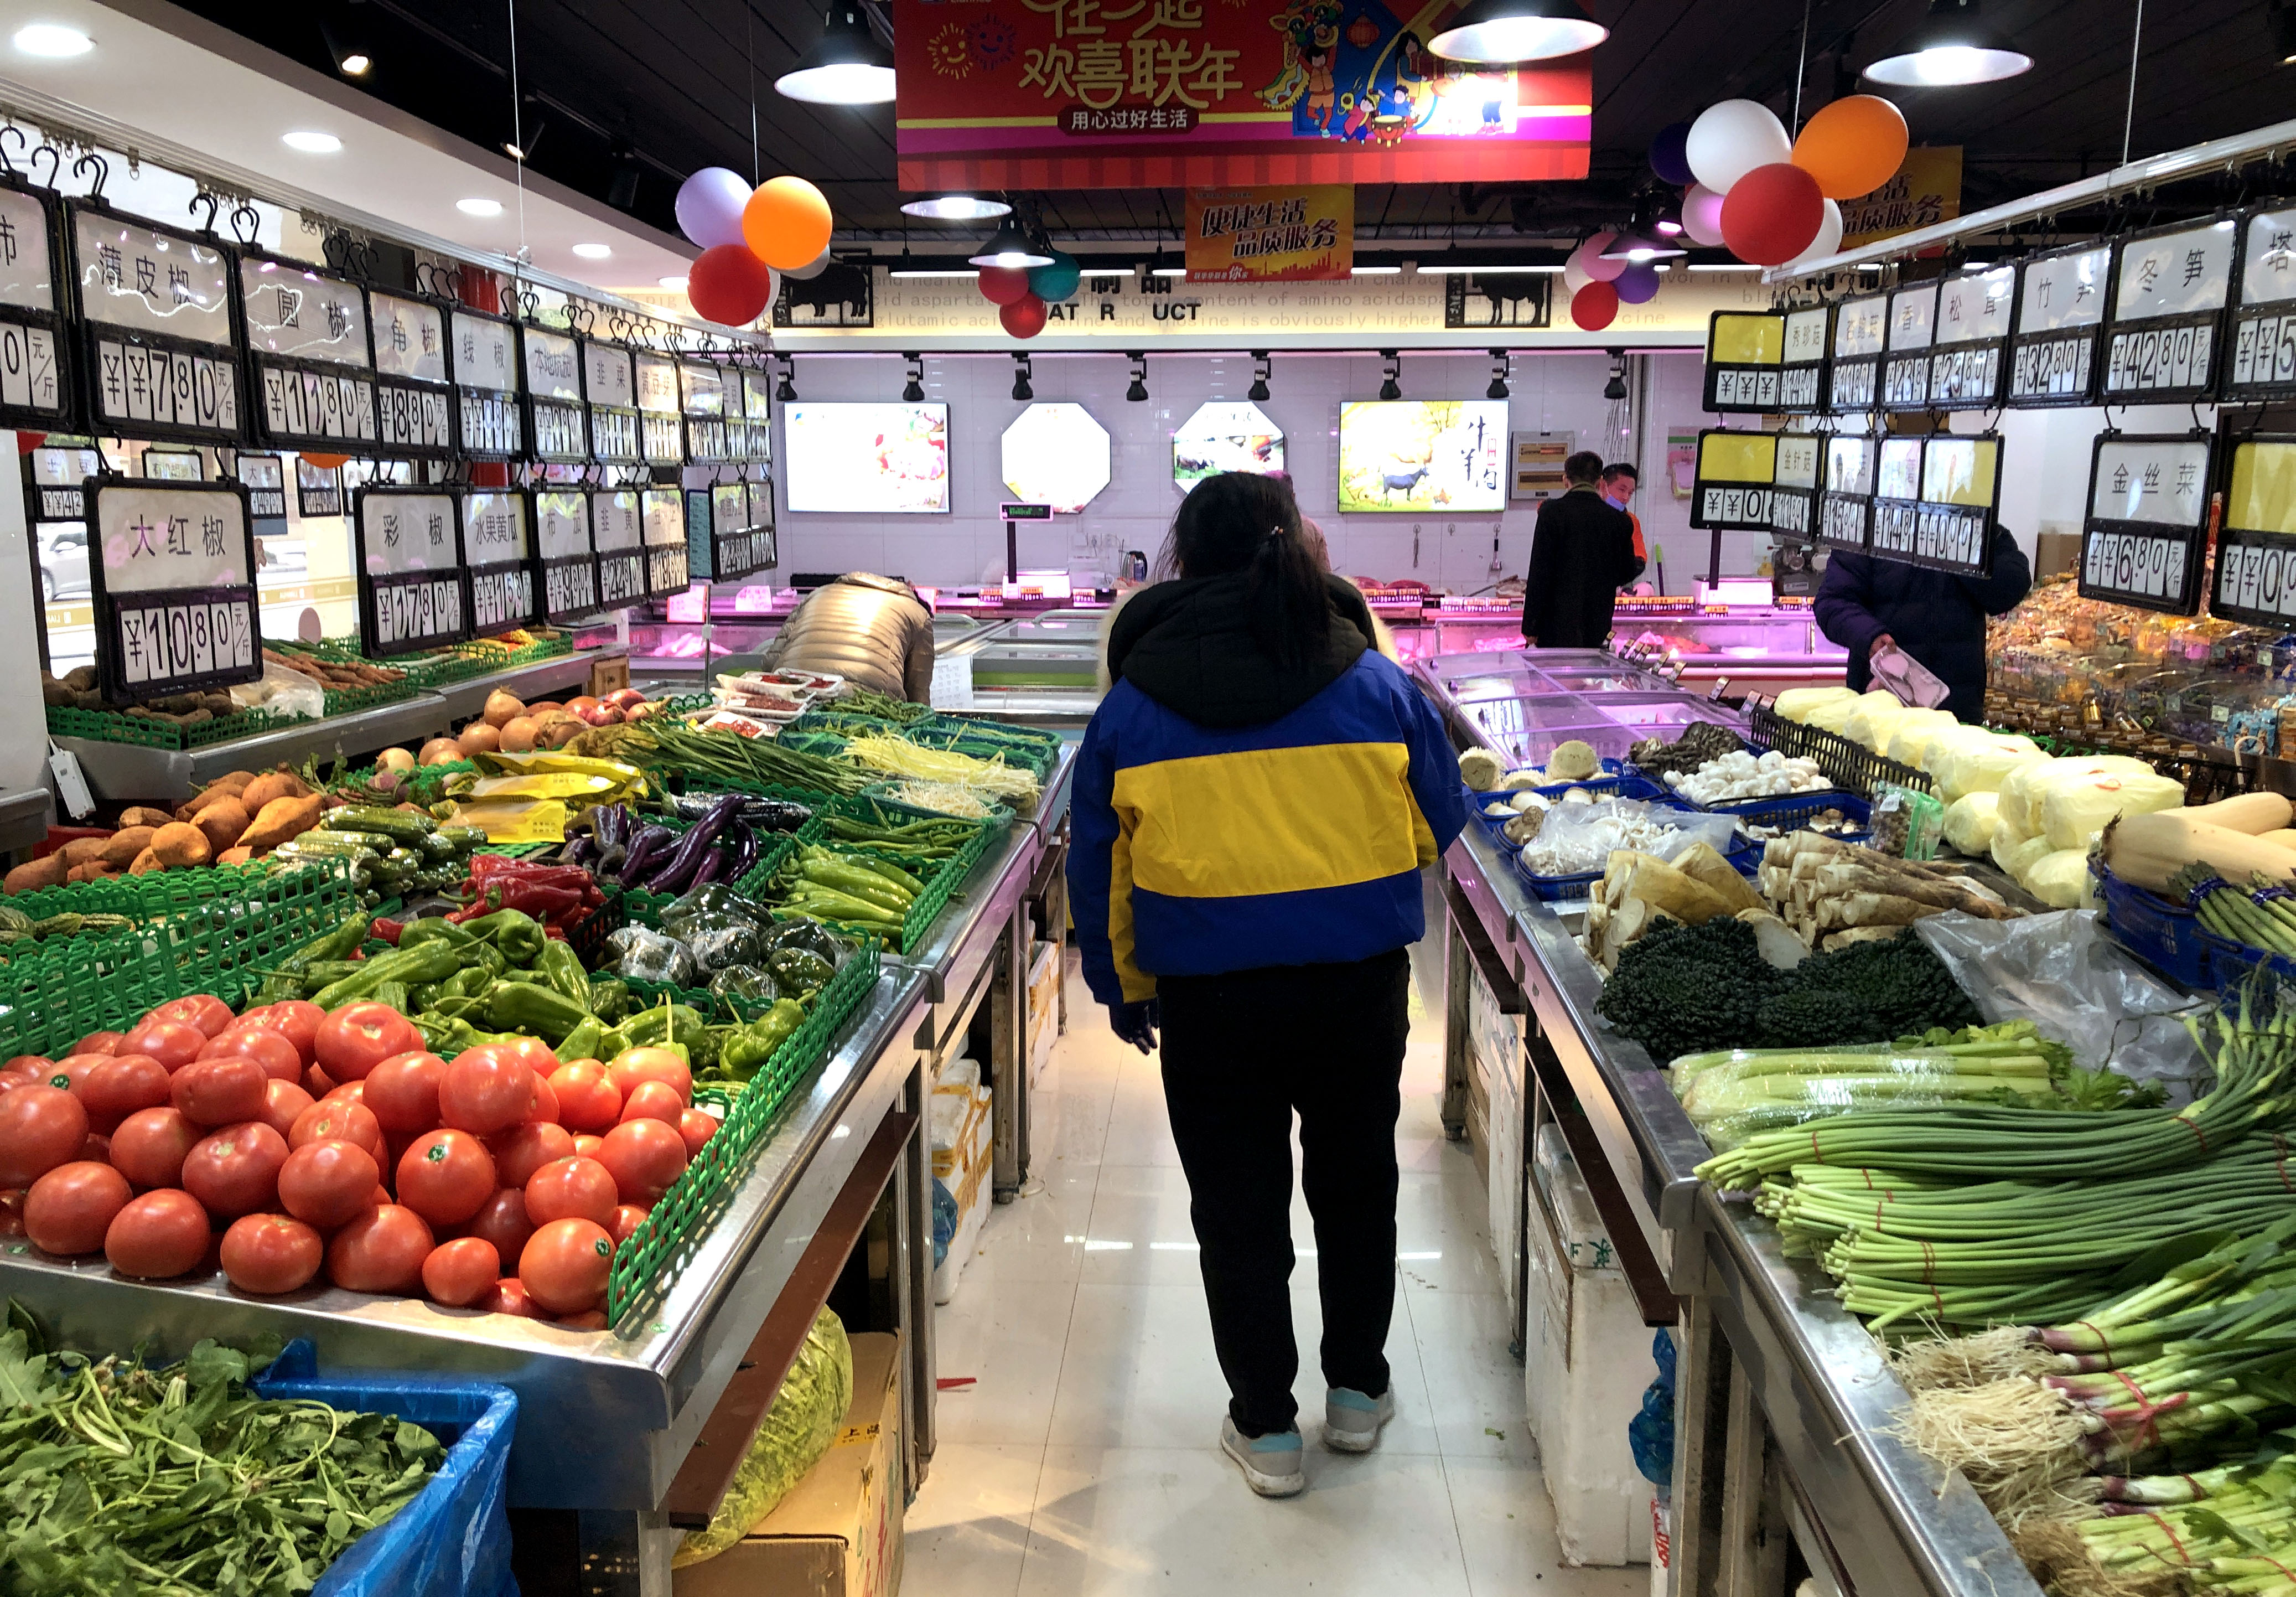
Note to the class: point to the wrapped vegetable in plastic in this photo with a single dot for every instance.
(2022, 789)
(745, 984)
(797, 1430)
(651, 956)
(1971, 821)
(1872, 718)
(2016, 857)
(2059, 878)
(1978, 763)
(1796, 703)
(2074, 811)
(1833, 714)
(726, 945)
(1911, 734)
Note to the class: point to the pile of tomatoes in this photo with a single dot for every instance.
(288, 1144)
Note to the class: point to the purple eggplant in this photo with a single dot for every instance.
(645, 848)
(677, 874)
(713, 865)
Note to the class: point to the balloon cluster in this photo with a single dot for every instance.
(1768, 198)
(1023, 298)
(747, 235)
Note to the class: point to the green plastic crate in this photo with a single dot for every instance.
(106, 725)
(665, 1240)
(942, 877)
(646, 908)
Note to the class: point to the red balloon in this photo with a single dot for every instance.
(1594, 307)
(1003, 285)
(1024, 317)
(1772, 213)
(730, 286)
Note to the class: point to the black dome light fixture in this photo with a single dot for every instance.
(1513, 31)
(1009, 247)
(1022, 371)
(1389, 388)
(345, 35)
(1951, 48)
(2280, 18)
(914, 390)
(1138, 393)
(786, 390)
(1499, 388)
(1262, 367)
(1615, 389)
(848, 66)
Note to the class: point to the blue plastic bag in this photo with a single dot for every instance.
(454, 1539)
(944, 1214)
(1651, 1432)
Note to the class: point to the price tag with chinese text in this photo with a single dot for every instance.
(1860, 333)
(498, 545)
(2255, 548)
(174, 587)
(1735, 473)
(2263, 319)
(2061, 302)
(666, 564)
(2169, 289)
(1845, 500)
(2143, 539)
(411, 581)
(570, 566)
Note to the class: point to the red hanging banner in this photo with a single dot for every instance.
(1137, 94)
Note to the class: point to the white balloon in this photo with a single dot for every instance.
(811, 268)
(1701, 215)
(1574, 273)
(1729, 140)
(1828, 239)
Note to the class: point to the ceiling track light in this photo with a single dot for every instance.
(622, 187)
(1615, 389)
(1021, 372)
(785, 391)
(1644, 242)
(1390, 389)
(1515, 30)
(1499, 388)
(2280, 22)
(957, 208)
(1950, 49)
(1009, 246)
(345, 38)
(1262, 368)
(1138, 393)
(846, 67)
(914, 390)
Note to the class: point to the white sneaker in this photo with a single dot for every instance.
(1270, 1463)
(1352, 1421)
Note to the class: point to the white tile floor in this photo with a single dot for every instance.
(1084, 1458)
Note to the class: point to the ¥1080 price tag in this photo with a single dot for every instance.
(171, 565)
(170, 641)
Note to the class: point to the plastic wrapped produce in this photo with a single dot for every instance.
(1872, 718)
(651, 956)
(1832, 715)
(1911, 735)
(2059, 878)
(2014, 857)
(2022, 789)
(796, 1431)
(2073, 811)
(1971, 820)
(1797, 703)
(1978, 763)
(726, 945)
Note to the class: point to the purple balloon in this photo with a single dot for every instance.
(1638, 283)
(1668, 156)
(709, 207)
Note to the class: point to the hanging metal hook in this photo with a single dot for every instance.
(91, 161)
(246, 224)
(55, 162)
(23, 139)
(213, 202)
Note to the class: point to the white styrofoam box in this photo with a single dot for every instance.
(1494, 1052)
(974, 1187)
(1583, 1368)
(1044, 1009)
(1661, 1557)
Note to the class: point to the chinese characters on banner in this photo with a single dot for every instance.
(1123, 94)
(1926, 191)
(1271, 235)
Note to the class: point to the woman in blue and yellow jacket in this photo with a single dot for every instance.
(1254, 802)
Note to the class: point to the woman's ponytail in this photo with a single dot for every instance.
(1243, 522)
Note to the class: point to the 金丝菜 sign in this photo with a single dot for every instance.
(2145, 533)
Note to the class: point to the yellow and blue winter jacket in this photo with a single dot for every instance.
(1230, 814)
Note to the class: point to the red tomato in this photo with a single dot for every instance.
(461, 1273)
(98, 1043)
(219, 1091)
(296, 1019)
(357, 1037)
(328, 1183)
(570, 1188)
(531, 1052)
(269, 1253)
(564, 1266)
(158, 1235)
(381, 1251)
(650, 1099)
(333, 1117)
(502, 1220)
(204, 1012)
(403, 1092)
(697, 1126)
(149, 1146)
(587, 1320)
(526, 1147)
(511, 1298)
(72, 1070)
(118, 1087)
(543, 1110)
(317, 1083)
(236, 1171)
(485, 1089)
(272, 1051)
(445, 1176)
(170, 1041)
(11, 1214)
(635, 1064)
(97, 1146)
(587, 1098)
(380, 1196)
(40, 1128)
(30, 1066)
(283, 1103)
(70, 1207)
(645, 1157)
(627, 1218)
(345, 1092)
(586, 1147)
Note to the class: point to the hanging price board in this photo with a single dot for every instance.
(661, 428)
(1794, 492)
(663, 512)
(1735, 473)
(1845, 499)
(415, 395)
(412, 591)
(1801, 375)
(1973, 313)
(174, 587)
(2256, 546)
(1906, 365)
(1934, 500)
(1853, 377)
(55, 482)
(490, 425)
(318, 489)
(498, 544)
(733, 532)
(2169, 290)
(618, 537)
(35, 391)
(2060, 303)
(551, 364)
(264, 478)
(1743, 351)
(311, 369)
(159, 345)
(2264, 312)
(610, 391)
(701, 398)
(2143, 539)
(757, 403)
(570, 566)
(1897, 497)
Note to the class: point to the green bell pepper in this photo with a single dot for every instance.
(562, 969)
(517, 935)
(746, 1051)
(610, 999)
(583, 1041)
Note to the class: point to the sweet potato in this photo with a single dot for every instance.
(126, 843)
(180, 843)
(144, 864)
(264, 789)
(221, 823)
(86, 870)
(235, 856)
(142, 815)
(282, 819)
(79, 851)
(47, 872)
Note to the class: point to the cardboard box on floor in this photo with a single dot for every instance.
(838, 1533)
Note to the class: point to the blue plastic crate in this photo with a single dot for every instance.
(454, 1539)
(1792, 810)
(2163, 932)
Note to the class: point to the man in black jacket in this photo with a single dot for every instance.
(1582, 552)
(1935, 616)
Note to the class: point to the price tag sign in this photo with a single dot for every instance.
(618, 535)
(1860, 333)
(415, 395)
(610, 389)
(1744, 349)
(757, 403)
(702, 394)
(318, 489)
(174, 587)
(1793, 493)
(1735, 471)
(1968, 365)
(485, 364)
(162, 356)
(1801, 376)
(1948, 522)
(570, 566)
(661, 431)
(1845, 500)
(551, 365)
(412, 586)
(2169, 290)
(2061, 302)
(2256, 546)
(2264, 317)
(264, 478)
(498, 543)
(1897, 497)
(312, 368)
(2145, 532)
(1906, 365)
(740, 539)
(667, 569)
(35, 392)
(57, 478)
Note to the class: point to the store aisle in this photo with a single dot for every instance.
(1084, 1459)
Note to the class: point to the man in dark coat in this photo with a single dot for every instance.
(1935, 616)
(1582, 552)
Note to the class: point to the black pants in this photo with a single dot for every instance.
(1241, 1053)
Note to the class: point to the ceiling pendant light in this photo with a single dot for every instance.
(1513, 31)
(785, 391)
(957, 208)
(1499, 388)
(1261, 368)
(914, 390)
(1022, 371)
(848, 67)
(1636, 244)
(1138, 393)
(1008, 246)
(1390, 389)
(1950, 49)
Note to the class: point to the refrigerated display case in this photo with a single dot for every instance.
(1762, 648)
(1521, 702)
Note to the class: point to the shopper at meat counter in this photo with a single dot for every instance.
(1253, 804)
(1581, 553)
(1866, 605)
(872, 630)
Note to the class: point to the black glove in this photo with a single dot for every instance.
(1136, 1024)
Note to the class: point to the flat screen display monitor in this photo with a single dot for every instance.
(886, 459)
(1423, 456)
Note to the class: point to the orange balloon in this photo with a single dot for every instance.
(1853, 146)
(326, 463)
(786, 223)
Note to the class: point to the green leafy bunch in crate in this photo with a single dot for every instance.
(879, 869)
